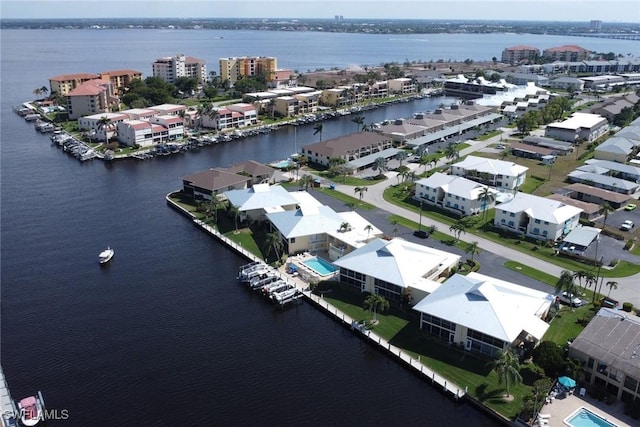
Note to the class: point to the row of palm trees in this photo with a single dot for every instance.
(567, 282)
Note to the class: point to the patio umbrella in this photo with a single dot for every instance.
(567, 382)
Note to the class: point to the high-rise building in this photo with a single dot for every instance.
(519, 54)
(596, 25)
(170, 68)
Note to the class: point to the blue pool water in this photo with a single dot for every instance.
(585, 418)
(320, 266)
(283, 164)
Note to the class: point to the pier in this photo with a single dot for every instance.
(415, 365)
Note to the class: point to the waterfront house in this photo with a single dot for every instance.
(484, 314)
(202, 185)
(456, 194)
(496, 173)
(579, 127)
(259, 172)
(92, 124)
(401, 130)
(254, 203)
(141, 133)
(392, 268)
(609, 351)
(536, 217)
(401, 86)
(349, 147)
(316, 228)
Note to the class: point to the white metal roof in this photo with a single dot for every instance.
(398, 261)
(541, 208)
(492, 166)
(494, 307)
(260, 196)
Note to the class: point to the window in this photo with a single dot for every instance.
(536, 231)
(537, 221)
(510, 223)
(512, 215)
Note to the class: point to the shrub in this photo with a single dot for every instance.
(627, 306)
(550, 357)
(628, 245)
(614, 262)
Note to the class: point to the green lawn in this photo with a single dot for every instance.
(402, 330)
(400, 195)
(347, 199)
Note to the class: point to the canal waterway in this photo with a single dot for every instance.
(163, 335)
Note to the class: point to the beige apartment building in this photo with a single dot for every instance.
(235, 68)
(520, 54)
(568, 53)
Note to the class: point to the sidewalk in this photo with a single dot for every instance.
(628, 287)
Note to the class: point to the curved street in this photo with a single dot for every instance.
(628, 289)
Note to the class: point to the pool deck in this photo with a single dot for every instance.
(559, 409)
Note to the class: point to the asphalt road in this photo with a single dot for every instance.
(492, 256)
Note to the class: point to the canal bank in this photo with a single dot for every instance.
(414, 365)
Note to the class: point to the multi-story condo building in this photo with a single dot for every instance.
(235, 68)
(571, 53)
(120, 78)
(65, 83)
(91, 97)
(519, 54)
(495, 173)
(170, 68)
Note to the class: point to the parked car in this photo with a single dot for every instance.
(570, 299)
(626, 225)
(630, 207)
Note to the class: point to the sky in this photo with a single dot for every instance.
(512, 10)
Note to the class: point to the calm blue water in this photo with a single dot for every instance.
(322, 267)
(163, 335)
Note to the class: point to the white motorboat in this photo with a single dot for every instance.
(31, 410)
(106, 255)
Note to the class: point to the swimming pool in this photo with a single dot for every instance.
(583, 417)
(320, 266)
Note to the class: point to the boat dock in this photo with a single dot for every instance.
(7, 405)
(301, 281)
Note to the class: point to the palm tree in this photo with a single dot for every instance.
(273, 241)
(317, 129)
(486, 197)
(459, 227)
(375, 303)
(565, 281)
(234, 211)
(344, 227)
(37, 92)
(214, 204)
(368, 228)
(360, 191)
(472, 248)
(380, 165)
(359, 121)
(44, 90)
(451, 151)
(580, 275)
(401, 156)
(105, 124)
(351, 205)
(612, 285)
(507, 366)
(305, 181)
(424, 161)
